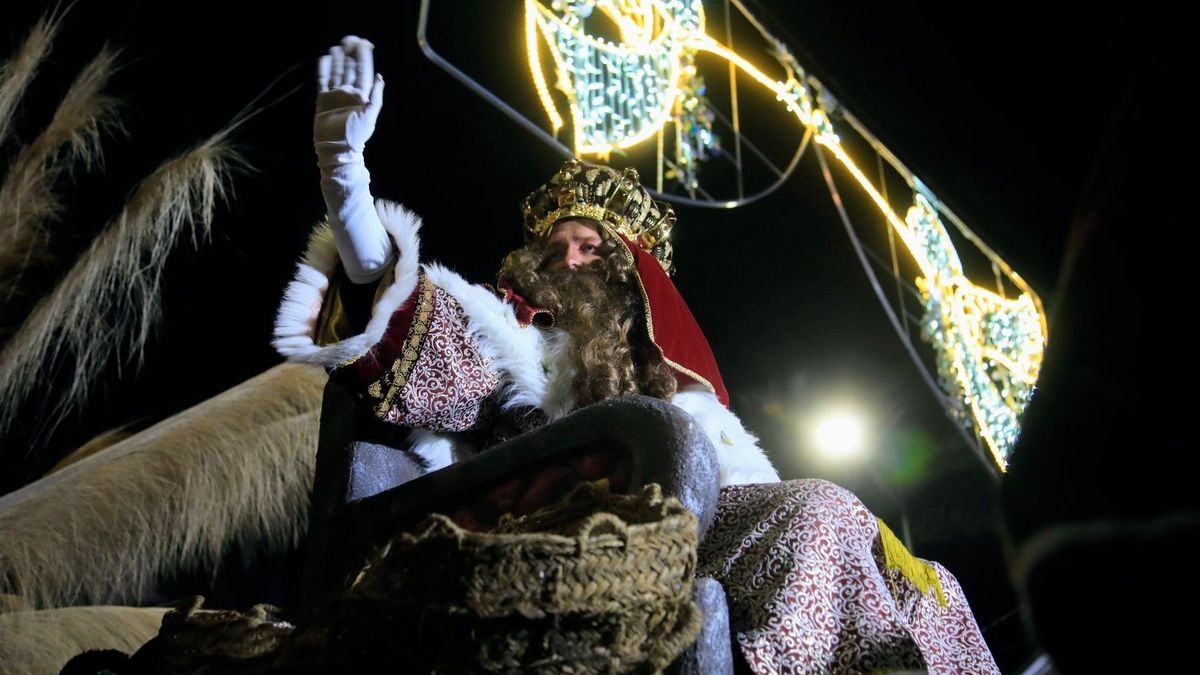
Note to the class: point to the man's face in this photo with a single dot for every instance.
(573, 243)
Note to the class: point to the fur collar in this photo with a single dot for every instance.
(740, 457)
(295, 323)
(534, 364)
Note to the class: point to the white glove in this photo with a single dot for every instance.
(349, 98)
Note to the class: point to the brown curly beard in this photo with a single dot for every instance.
(599, 306)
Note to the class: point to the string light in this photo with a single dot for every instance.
(535, 65)
(988, 348)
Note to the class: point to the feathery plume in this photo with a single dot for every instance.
(18, 72)
(29, 195)
(113, 289)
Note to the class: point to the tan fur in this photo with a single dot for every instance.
(41, 642)
(236, 469)
(101, 441)
(113, 289)
(12, 603)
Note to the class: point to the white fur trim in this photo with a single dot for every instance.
(738, 454)
(532, 361)
(295, 323)
(559, 397)
(438, 449)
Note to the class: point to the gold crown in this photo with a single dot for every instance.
(582, 190)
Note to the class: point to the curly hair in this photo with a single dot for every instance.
(600, 307)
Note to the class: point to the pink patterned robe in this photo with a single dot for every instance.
(803, 568)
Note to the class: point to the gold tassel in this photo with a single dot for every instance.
(920, 573)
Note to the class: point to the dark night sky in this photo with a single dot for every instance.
(1000, 109)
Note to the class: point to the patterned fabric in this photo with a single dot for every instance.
(808, 590)
(427, 371)
(450, 378)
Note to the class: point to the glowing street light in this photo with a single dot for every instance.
(839, 434)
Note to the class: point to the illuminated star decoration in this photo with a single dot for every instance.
(988, 347)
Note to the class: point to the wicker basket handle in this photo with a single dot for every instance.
(599, 524)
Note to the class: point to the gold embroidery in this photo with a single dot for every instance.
(402, 367)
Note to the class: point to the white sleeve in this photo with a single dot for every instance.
(362, 242)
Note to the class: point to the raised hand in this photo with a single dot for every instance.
(349, 97)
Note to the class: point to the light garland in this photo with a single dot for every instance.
(988, 347)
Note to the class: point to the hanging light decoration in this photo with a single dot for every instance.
(988, 347)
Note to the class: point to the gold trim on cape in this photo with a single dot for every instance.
(402, 367)
(646, 308)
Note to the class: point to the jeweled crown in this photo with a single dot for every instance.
(582, 190)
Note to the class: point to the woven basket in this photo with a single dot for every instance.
(598, 583)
